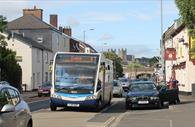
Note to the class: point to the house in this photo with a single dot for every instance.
(180, 58)
(34, 59)
(36, 42)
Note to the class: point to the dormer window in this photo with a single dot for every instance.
(40, 39)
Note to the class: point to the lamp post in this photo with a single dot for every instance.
(84, 32)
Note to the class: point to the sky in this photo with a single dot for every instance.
(134, 25)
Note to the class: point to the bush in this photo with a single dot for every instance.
(10, 69)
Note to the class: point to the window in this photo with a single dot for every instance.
(38, 78)
(50, 76)
(34, 80)
(38, 56)
(46, 57)
(46, 76)
(14, 96)
(40, 39)
(4, 98)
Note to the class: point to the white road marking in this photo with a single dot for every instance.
(118, 119)
(171, 123)
(108, 122)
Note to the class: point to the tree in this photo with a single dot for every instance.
(187, 12)
(10, 70)
(117, 64)
(153, 61)
(3, 24)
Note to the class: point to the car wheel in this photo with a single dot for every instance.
(39, 94)
(128, 107)
(52, 107)
(160, 105)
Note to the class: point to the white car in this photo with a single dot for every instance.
(117, 89)
(14, 111)
(124, 82)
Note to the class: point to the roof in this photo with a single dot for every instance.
(32, 22)
(30, 41)
(27, 22)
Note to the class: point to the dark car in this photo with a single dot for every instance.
(169, 95)
(44, 89)
(143, 94)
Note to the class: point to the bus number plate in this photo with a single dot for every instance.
(73, 105)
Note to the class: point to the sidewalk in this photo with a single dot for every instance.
(186, 98)
(32, 96)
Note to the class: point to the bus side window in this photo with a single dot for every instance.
(99, 85)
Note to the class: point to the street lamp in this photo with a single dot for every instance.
(84, 31)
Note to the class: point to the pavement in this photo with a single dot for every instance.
(32, 96)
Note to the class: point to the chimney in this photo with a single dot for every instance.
(61, 29)
(35, 12)
(54, 20)
(67, 31)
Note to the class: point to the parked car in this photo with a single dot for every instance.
(14, 111)
(167, 94)
(143, 94)
(44, 89)
(117, 89)
(124, 82)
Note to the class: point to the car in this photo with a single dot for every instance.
(14, 111)
(117, 89)
(124, 82)
(44, 89)
(167, 94)
(143, 94)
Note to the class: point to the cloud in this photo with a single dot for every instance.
(142, 16)
(72, 21)
(12, 9)
(102, 17)
(106, 37)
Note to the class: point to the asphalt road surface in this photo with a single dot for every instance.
(181, 115)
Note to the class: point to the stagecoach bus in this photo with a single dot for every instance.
(81, 80)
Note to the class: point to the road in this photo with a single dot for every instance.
(116, 115)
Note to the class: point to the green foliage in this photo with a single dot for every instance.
(153, 61)
(187, 12)
(3, 23)
(10, 70)
(135, 65)
(117, 64)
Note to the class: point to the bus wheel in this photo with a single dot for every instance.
(98, 106)
(52, 107)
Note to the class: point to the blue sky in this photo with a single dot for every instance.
(131, 24)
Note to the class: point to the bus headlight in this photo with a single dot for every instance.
(93, 97)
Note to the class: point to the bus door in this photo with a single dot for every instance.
(102, 79)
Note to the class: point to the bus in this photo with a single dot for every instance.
(81, 80)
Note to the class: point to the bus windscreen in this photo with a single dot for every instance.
(75, 71)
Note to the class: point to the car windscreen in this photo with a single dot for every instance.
(142, 87)
(123, 80)
(115, 83)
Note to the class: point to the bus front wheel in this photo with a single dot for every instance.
(52, 107)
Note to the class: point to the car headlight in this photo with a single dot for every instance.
(154, 98)
(93, 97)
(132, 98)
(55, 96)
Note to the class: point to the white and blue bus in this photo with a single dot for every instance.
(81, 80)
